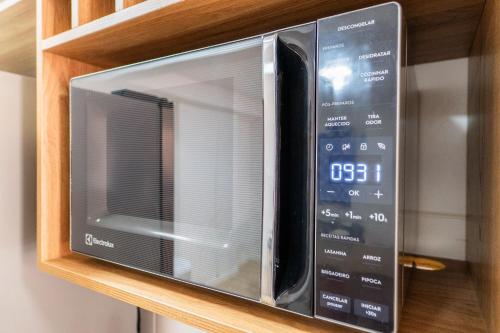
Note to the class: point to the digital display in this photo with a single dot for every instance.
(354, 172)
(346, 169)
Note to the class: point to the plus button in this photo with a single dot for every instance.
(378, 194)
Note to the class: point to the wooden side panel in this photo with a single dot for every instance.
(56, 17)
(128, 3)
(483, 171)
(439, 30)
(53, 154)
(90, 10)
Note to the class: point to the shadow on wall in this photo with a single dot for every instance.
(33, 301)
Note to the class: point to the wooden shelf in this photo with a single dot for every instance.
(438, 29)
(442, 301)
(192, 305)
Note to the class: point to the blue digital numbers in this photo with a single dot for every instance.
(336, 172)
(361, 170)
(348, 172)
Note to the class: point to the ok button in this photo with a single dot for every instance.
(353, 193)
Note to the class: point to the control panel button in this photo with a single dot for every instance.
(374, 120)
(378, 194)
(378, 217)
(375, 311)
(335, 302)
(372, 281)
(335, 253)
(332, 273)
(353, 216)
(330, 213)
(372, 259)
(337, 121)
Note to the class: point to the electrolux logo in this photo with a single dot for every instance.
(90, 240)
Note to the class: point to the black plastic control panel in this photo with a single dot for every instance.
(357, 124)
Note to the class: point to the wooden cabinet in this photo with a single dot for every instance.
(139, 30)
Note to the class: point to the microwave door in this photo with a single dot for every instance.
(167, 165)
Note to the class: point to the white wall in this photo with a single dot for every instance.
(31, 301)
(442, 90)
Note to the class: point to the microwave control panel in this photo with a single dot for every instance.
(356, 176)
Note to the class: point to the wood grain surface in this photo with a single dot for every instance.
(443, 301)
(437, 301)
(53, 153)
(483, 171)
(90, 10)
(55, 17)
(437, 29)
(128, 3)
(17, 38)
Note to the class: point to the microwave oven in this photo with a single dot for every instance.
(268, 168)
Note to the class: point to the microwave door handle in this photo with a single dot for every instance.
(288, 210)
(270, 183)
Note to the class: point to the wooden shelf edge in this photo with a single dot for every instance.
(437, 301)
(192, 305)
(118, 17)
(73, 269)
(155, 28)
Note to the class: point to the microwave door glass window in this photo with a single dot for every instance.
(169, 154)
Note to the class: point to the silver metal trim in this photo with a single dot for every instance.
(70, 179)
(315, 177)
(269, 67)
(397, 277)
(343, 323)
